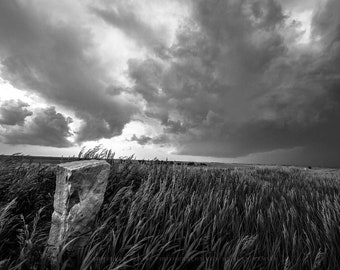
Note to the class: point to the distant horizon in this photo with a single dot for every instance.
(178, 160)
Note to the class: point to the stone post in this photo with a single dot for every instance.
(79, 194)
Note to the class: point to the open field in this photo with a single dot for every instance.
(169, 216)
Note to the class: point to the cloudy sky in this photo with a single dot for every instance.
(205, 80)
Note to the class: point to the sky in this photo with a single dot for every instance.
(251, 81)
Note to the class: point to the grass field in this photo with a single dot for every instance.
(165, 216)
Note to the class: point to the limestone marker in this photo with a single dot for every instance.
(79, 194)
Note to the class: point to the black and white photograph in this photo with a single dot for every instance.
(169, 134)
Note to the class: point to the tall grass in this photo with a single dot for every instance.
(176, 217)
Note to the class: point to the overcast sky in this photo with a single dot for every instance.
(205, 80)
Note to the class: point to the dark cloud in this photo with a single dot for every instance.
(236, 81)
(47, 128)
(100, 125)
(142, 140)
(114, 90)
(214, 63)
(174, 127)
(14, 112)
(56, 59)
(161, 140)
(237, 85)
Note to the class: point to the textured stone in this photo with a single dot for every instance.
(79, 194)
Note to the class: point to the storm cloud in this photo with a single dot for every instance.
(47, 128)
(142, 140)
(240, 82)
(235, 78)
(14, 112)
(56, 59)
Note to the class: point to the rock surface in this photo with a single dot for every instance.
(79, 194)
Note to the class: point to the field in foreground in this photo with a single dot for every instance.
(161, 216)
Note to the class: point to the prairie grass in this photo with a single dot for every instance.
(162, 216)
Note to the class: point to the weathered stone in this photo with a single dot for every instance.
(79, 194)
